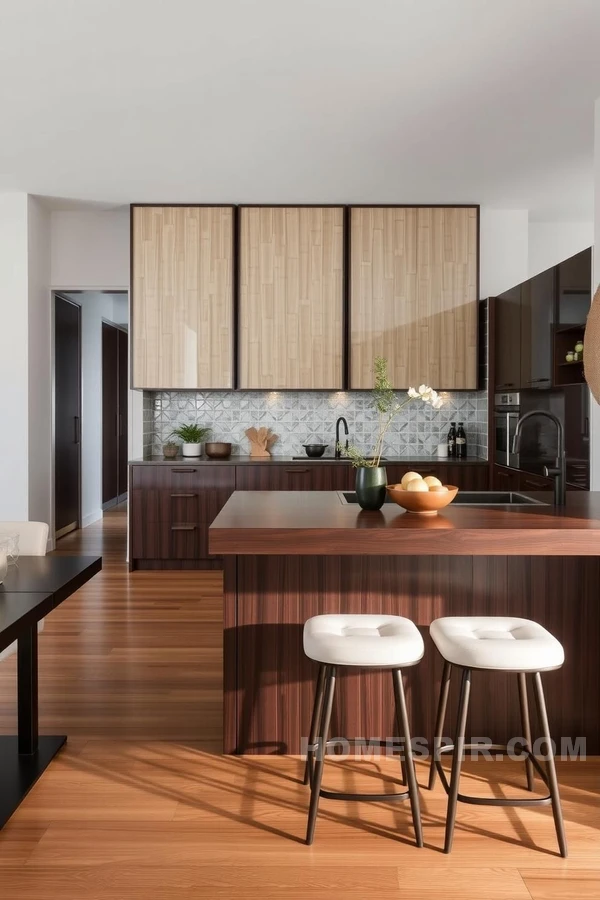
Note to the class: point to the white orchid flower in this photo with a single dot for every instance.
(437, 403)
(413, 393)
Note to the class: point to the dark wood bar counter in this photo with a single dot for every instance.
(290, 556)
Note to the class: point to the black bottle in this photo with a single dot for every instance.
(452, 440)
(461, 442)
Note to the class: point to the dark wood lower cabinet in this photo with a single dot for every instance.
(171, 507)
(467, 477)
(269, 683)
(282, 477)
(505, 479)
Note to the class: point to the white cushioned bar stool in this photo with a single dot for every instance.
(364, 642)
(502, 644)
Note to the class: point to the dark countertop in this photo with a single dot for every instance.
(317, 523)
(286, 460)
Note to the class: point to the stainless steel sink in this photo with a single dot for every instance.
(473, 498)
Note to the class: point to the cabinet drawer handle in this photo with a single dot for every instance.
(183, 527)
(183, 495)
(297, 471)
(182, 471)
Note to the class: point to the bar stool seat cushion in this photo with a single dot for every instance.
(496, 642)
(375, 641)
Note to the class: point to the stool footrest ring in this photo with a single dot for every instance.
(343, 795)
(494, 801)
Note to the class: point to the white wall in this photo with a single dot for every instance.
(41, 486)
(513, 248)
(551, 242)
(25, 360)
(90, 249)
(121, 309)
(503, 249)
(14, 379)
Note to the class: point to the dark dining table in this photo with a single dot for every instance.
(32, 588)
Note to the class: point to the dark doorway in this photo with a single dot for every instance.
(114, 414)
(67, 416)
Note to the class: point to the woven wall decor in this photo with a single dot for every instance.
(591, 348)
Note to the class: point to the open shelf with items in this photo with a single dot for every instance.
(567, 372)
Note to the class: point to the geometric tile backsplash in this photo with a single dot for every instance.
(299, 417)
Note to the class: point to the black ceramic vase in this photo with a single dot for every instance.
(370, 486)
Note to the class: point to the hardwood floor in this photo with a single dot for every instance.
(140, 804)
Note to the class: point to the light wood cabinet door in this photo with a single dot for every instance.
(182, 296)
(291, 297)
(414, 295)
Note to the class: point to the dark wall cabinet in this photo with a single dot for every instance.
(524, 317)
(172, 507)
(536, 322)
(507, 335)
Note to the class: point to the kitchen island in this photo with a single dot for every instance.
(291, 555)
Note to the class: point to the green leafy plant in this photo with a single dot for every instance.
(191, 433)
(387, 406)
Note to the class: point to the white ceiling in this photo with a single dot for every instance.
(486, 101)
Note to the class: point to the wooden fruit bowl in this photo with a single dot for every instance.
(424, 503)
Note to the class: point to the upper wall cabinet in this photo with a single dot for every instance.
(291, 297)
(182, 296)
(414, 295)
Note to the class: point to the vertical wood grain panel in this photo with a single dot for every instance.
(182, 297)
(271, 682)
(291, 297)
(414, 295)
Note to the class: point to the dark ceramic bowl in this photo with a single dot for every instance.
(315, 450)
(217, 450)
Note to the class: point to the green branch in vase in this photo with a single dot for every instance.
(387, 406)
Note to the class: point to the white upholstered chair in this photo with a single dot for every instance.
(33, 540)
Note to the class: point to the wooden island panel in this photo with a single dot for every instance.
(269, 684)
(538, 562)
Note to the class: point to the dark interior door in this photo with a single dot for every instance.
(67, 415)
(110, 413)
(123, 398)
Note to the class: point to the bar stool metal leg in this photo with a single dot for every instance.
(439, 722)
(459, 743)
(403, 727)
(526, 726)
(550, 765)
(320, 753)
(314, 724)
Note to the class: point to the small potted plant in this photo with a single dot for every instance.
(170, 450)
(371, 476)
(191, 436)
